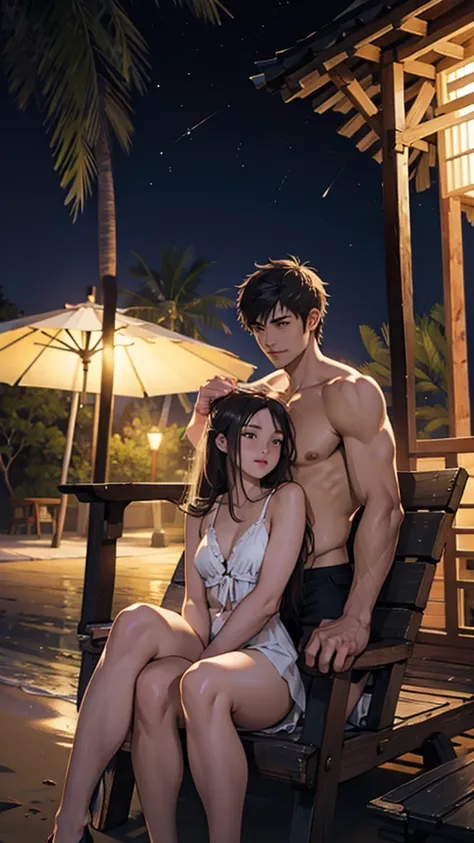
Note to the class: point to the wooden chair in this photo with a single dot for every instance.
(32, 512)
(323, 752)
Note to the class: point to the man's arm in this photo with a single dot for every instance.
(217, 387)
(356, 409)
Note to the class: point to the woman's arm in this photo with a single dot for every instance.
(195, 609)
(286, 538)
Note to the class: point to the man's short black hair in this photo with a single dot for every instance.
(289, 283)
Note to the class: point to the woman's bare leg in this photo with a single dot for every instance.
(139, 634)
(156, 747)
(217, 694)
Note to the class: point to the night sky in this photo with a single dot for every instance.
(245, 185)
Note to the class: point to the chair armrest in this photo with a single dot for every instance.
(378, 654)
(124, 492)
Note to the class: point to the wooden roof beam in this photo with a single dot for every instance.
(320, 106)
(345, 106)
(350, 127)
(369, 52)
(452, 23)
(328, 99)
(414, 25)
(436, 124)
(345, 80)
(418, 109)
(375, 29)
(447, 63)
(453, 51)
(367, 141)
(420, 68)
(307, 85)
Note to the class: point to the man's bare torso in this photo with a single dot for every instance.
(320, 467)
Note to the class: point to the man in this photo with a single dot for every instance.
(345, 456)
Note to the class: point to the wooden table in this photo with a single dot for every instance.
(31, 513)
(440, 802)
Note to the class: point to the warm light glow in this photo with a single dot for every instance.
(154, 439)
(459, 140)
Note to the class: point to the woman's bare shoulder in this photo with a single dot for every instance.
(288, 494)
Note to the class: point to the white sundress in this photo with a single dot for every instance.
(232, 580)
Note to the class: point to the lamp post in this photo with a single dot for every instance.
(158, 538)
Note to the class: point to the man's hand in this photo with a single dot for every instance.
(211, 390)
(342, 640)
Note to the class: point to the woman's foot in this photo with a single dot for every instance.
(86, 837)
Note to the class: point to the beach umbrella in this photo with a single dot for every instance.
(61, 349)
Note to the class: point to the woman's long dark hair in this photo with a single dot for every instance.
(210, 473)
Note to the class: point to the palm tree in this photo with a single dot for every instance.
(169, 296)
(430, 367)
(81, 62)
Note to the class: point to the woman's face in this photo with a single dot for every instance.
(260, 445)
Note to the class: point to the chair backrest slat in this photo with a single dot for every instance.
(408, 584)
(435, 490)
(423, 534)
(394, 623)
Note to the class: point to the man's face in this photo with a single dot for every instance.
(282, 337)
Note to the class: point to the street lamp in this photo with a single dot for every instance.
(158, 538)
(154, 441)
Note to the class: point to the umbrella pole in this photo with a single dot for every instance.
(65, 468)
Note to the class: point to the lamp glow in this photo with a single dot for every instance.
(154, 439)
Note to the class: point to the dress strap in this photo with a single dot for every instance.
(265, 507)
(218, 506)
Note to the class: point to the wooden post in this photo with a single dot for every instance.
(459, 407)
(107, 380)
(398, 261)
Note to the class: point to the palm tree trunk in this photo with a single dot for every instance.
(165, 412)
(107, 241)
(107, 222)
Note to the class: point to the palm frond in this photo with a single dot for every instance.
(208, 320)
(385, 331)
(208, 10)
(185, 402)
(378, 372)
(426, 386)
(202, 303)
(151, 278)
(82, 61)
(437, 314)
(374, 345)
(190, 329)
(193, 277)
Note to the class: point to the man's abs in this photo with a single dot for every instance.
(331, 506)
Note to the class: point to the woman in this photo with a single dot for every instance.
(227, 662)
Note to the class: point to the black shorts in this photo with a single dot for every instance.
(324, 595)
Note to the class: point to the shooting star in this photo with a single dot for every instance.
(191, 130)
(333, 181)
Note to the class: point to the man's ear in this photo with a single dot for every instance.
(313, 319)
(221, 442)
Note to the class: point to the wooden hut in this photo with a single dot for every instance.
(402, 78)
